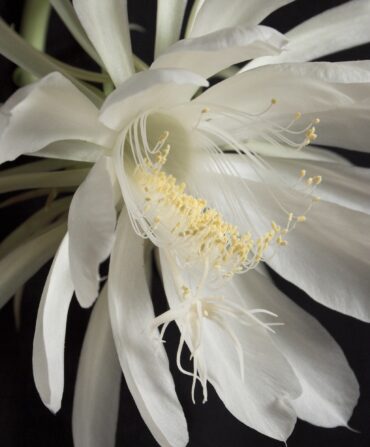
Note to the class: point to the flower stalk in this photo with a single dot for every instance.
(34, 29)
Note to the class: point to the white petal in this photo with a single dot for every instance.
(52, 109)
(72, 150)
(48, 343)
(313, 87)
(97, 389)
(168, 25)
(330, 389)
(207, 55)
(212, 14)
(336, 29)
(91, 224)
(69, 17)
(262, 401)
(151, 89)
(23, 262)
(106, 24)
(143, 360)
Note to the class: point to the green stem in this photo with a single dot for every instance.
(34, 28)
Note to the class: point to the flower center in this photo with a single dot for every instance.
(203, 250)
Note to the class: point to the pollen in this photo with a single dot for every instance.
(196, 230)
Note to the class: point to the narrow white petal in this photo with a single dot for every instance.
(168, 25)
(66, 12)
(23, 262)
(212, 15)
(91, 224)
(143, 360)
(330, 389)
(263, 400)
(52, 109)
(146, 90)
(76, 150)
(336, 29)
(97, 389)
(106, 24)
(48, 343)
(207, 55)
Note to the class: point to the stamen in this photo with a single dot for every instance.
(205, 249)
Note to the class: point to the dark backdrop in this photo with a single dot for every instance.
(24, 422)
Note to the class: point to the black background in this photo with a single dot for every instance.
(24, 422)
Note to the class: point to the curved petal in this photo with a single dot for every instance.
(211, 15)
(91, 224)
(207, 55)
(151, 89)
(69, 17)
(48, 343)
(262, 400)
(72, 150)
(52, 109)
(143, 361)
(106, 24)
(330, 389)
(170, 14)
(335, 29)
(97, 389)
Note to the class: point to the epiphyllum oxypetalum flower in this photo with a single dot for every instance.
(160, 161)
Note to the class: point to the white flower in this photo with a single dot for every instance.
(160, 161)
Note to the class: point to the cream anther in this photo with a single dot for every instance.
(302, 173)
(317, 180)
(163, 137)
(301, 218)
